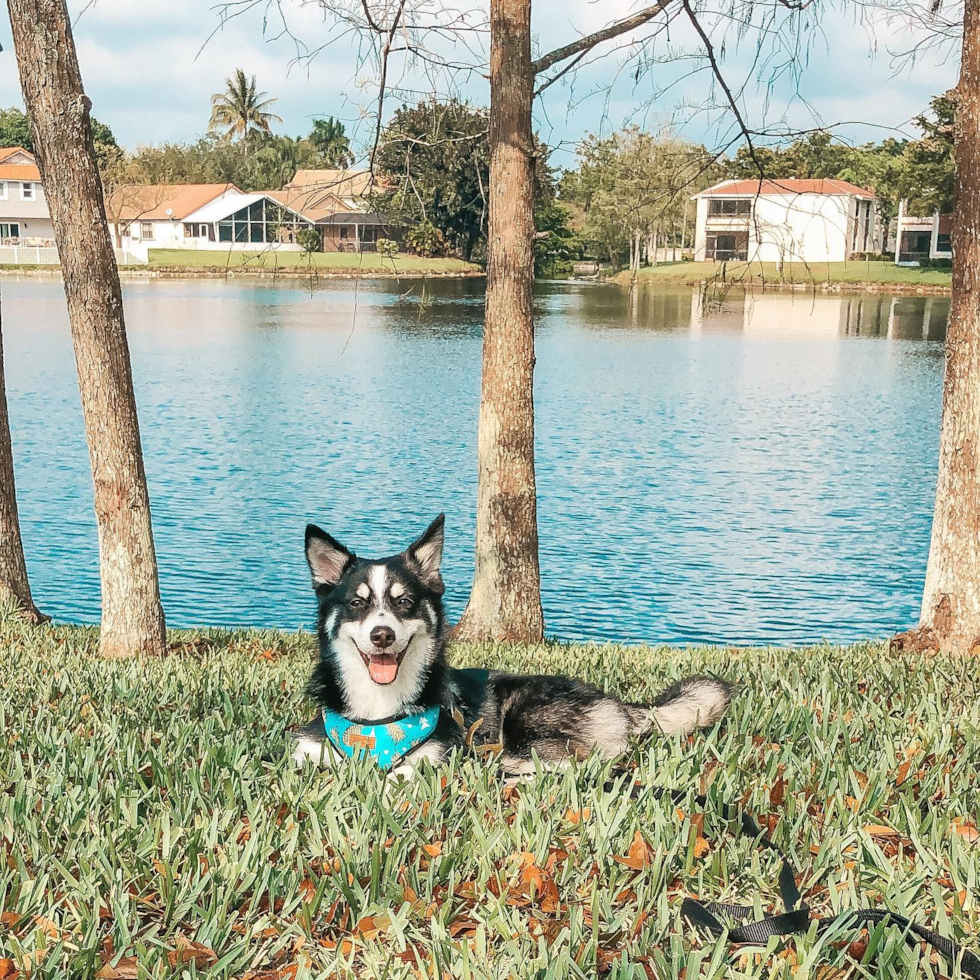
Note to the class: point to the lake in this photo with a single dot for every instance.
(756, 470)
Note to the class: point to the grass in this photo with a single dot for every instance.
(144, 836)
(854, 273)
(270, 261)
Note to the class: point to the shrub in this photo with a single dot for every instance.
(426, 240)
(387, 247)
(872, 257)
(309, 240)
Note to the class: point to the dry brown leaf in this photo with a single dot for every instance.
(639, 854)
(433, 850)
(126, 969)
(8, 969)
(578, 816)
(372, 926)
(189, 951)
(880, 830)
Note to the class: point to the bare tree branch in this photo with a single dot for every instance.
(591, 40)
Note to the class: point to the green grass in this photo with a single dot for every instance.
(137, 820)
(269, 261)
(797, 272)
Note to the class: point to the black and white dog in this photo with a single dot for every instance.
(384, 686)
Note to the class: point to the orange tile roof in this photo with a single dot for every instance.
(149, 201)
(9, 151)
(343, 183)
(788, 185)
(19, 171)
(312, 204)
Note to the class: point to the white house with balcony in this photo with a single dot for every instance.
(788, 220)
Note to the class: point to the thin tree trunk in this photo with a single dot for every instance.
(505, 603)
(656, 243)
(15, 590)
(950, 617)
(132, 616)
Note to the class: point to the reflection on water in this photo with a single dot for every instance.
(757, 469)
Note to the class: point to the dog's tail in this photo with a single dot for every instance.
(694, 702)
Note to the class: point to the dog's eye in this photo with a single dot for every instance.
(355, 603)
(404, 602)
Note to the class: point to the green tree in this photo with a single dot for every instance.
(930, 158)
(15, 130)
(331, 143)
(241, 108)
(435, 159)
(633, 188)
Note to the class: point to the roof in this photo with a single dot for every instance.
(787, 185)
(343, 183)
(313, 204)
(6, 152)
(221, 208)
(19, 171)
(354, 218)
(149, 201)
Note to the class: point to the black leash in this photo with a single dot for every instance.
(709, 917)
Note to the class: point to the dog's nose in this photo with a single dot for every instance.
(382, 637)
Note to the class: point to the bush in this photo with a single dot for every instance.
(387, 247)
(872, 257)
(926, 263)
(426, 240)
(309, 240)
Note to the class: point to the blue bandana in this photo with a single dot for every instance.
(386, 744)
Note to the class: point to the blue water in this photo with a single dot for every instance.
(758, 471)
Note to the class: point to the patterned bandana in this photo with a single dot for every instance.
(385, 743)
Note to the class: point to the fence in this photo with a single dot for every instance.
(48, 255)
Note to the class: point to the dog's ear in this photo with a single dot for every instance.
(327, 558)
(426, 555)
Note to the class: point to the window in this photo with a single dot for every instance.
(196, 231)
(3, 190)
(344, 230)
(11, 230)
(146, 230)
(741, 206)
(368, 233)
(27, 191)
(944, 243)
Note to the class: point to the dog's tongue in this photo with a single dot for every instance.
(383, 668)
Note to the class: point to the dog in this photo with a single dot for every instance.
(384, 685)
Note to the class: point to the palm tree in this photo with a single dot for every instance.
(331, 142)
(241, 109)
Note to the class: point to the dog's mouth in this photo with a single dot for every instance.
(382, 665)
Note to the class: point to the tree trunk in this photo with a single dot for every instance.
(505, 603)
(15, 590)
(950, 618)
(132, 617)
(656, 243)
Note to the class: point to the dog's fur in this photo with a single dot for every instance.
(383, 656)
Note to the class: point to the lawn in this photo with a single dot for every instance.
(270, 261)
(144, 836)
(797, 272)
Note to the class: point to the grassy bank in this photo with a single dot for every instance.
(819, 274)
(144, 836)
(346, 263)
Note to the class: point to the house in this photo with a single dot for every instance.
(24, 215)
(200, 216)
(788, 220)
(913, 238)
(338, 203)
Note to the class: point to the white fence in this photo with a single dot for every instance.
(47, 255)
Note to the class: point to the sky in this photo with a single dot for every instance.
(150, 67)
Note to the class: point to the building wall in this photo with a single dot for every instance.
(32, 216)
(791, 228)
